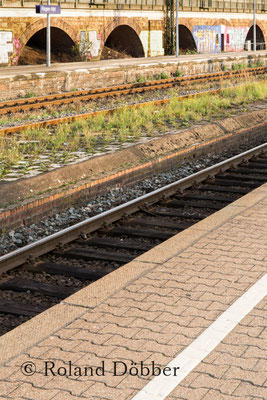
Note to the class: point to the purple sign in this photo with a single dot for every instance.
(43, 9)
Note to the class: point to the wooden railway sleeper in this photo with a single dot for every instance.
(242, 177)
(46, 289)
(128, 88)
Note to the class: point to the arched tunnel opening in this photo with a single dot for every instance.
(62, 48)
(122, 42)
(187, 43)
(260, 43)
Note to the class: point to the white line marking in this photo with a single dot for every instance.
(159, 387)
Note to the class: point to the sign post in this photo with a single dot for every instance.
(42, 9)
(177, 30)
(48, 39)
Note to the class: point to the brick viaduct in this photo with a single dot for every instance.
(139, 32)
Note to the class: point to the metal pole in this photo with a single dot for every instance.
(48, 39)
(177, 30)
(254, 25)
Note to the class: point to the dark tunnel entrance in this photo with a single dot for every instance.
(62, 48)
(186, 41)
(260, 43)
(123, 42)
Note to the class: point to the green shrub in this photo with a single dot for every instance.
(259, 63)
(178, 73)
(30, 94)
(236, 67)
(163, 75)
(140, 79)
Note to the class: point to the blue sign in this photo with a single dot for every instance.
(43, 9)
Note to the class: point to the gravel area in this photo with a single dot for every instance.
(28, 298)
(20, 237)
(9, 322)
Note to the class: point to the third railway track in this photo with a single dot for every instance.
(57, 266)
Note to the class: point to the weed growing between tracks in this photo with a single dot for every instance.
(127, 124)
(39, 148)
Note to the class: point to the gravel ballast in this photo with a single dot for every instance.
(28, 234)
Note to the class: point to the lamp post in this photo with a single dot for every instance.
(177, 30)
(48, 39)
(254, 25)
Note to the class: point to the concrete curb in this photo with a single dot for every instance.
(112, 166)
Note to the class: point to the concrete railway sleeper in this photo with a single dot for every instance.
(18, 105)
(39, 275)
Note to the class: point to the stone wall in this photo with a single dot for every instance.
(96, 29)
(95, 26)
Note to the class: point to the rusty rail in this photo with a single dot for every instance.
(57, 121)
(18, 105)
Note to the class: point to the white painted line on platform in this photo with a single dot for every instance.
(160, 386)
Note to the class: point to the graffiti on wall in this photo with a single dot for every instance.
(213, 39)
(95, 39)
(6, 46)
(234, 38)
(17, 47)
(207, 38)
(89, 44)
(152, 42)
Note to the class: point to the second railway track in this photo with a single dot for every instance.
(70, 97)
(18, 105)
(59, 265)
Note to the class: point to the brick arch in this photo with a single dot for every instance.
(120, 21)
(190, 42)
(188, 24)
(222, 21)
(123, 22)
(40, 24)
(261, 26)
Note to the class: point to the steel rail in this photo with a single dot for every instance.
(19, 105)
(42, 246)
(57, 121)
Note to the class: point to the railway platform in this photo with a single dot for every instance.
(128, 62)
(192, 308)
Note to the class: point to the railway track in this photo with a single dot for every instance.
(18, 105)
(55, 267)
(65, 120)
(69, 119)
(70, 97)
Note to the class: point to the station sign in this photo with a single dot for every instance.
(44, 9)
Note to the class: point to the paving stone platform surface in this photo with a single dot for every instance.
(148, 312)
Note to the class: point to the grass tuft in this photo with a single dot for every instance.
(93, 134)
